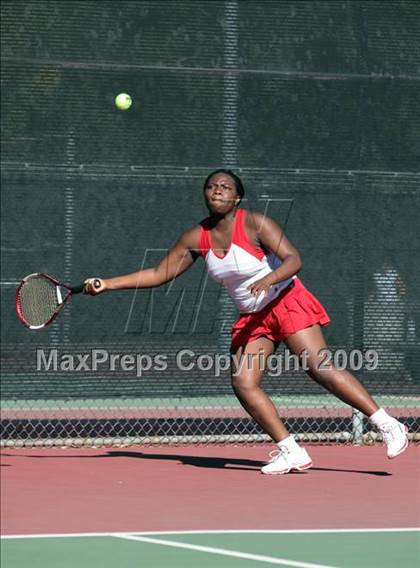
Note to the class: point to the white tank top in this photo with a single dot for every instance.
(243, 264)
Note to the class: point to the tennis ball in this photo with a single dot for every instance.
(123, 101)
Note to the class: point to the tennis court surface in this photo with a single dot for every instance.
(208, 506)
(315, 105)
(215, 549)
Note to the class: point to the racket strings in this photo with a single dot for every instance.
(38, 301)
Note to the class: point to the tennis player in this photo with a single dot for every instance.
(252, 257)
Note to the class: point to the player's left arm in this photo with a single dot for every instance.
(272, 238)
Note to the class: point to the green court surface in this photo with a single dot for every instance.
(368, 548)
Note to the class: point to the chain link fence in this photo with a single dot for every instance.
(164, 378)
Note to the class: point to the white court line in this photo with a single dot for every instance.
(214, 531)
(224, 552)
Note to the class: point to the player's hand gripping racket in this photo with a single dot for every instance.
(40, 298)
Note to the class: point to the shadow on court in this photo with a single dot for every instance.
(227, 463)
(205, 462)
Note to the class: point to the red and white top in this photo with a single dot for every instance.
(243, 264)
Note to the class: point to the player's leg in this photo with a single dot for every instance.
(310, 344)
(247, 369)
(248, 365)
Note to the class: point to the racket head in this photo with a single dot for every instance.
(39, 298)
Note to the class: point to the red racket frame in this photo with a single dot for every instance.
(71, 291)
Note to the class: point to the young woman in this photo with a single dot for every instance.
(250, 255)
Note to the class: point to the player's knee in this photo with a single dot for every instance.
(243, 387)
(327, 376)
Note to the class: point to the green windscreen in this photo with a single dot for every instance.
(314, 104)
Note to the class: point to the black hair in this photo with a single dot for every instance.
(240, 190)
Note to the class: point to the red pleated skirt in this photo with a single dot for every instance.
(293, 310)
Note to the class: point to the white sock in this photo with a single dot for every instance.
(380, 417)
(290, 443)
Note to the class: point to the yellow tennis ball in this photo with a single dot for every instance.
(123, 101)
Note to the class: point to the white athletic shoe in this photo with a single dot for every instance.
(395, 437)
(283, 461)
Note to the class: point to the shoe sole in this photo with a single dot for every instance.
(401, 450)
(284, 471)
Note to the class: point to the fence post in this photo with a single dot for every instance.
(357, 427)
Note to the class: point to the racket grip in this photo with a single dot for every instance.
(79, 289)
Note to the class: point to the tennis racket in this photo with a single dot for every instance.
(41, 297)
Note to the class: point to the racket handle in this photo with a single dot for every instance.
(79, 289)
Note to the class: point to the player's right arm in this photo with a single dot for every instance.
(179, 258)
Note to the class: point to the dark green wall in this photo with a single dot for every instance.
(327, 115)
